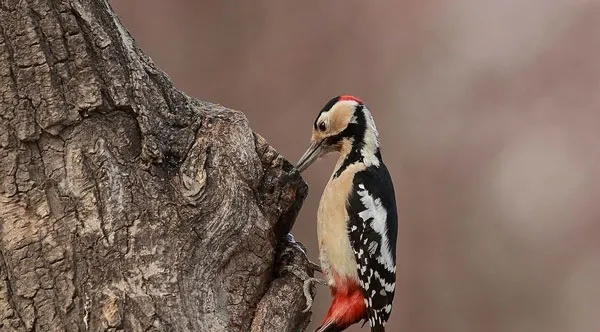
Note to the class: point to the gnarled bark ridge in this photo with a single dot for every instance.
(125, 204)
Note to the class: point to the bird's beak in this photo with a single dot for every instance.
(314, 151)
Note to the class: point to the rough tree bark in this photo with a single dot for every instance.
(124, 203)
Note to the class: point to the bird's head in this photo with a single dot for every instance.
(343, 125)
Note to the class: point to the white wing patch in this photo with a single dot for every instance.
(375, 210)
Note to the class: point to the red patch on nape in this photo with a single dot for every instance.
(348, 97)
(348, 305)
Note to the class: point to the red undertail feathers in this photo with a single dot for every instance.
(348, 306)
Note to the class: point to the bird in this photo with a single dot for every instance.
(357, 219)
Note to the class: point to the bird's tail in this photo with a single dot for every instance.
(330, 326)
(378, 328)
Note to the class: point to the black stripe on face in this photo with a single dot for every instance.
(356, 132)
(326, 108)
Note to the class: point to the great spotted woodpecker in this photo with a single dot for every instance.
(357, 218)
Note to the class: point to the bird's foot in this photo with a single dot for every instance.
(307, 295)
(303, 274)
(307, 282)
(314, 266)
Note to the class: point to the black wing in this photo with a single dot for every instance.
(373, 226)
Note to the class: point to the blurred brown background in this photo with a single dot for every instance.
(489, 115)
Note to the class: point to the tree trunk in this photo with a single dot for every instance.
(126, 205)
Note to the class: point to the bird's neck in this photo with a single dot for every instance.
(365, 151)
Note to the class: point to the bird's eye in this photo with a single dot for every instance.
(322, 126)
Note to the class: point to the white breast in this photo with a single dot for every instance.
(335, 251)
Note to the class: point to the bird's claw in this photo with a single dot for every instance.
(315, 267)
(307, 295)
(307, 281)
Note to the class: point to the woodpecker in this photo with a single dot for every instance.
(357, 220)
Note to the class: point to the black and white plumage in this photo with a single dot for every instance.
(372, 229)
(357, 218)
